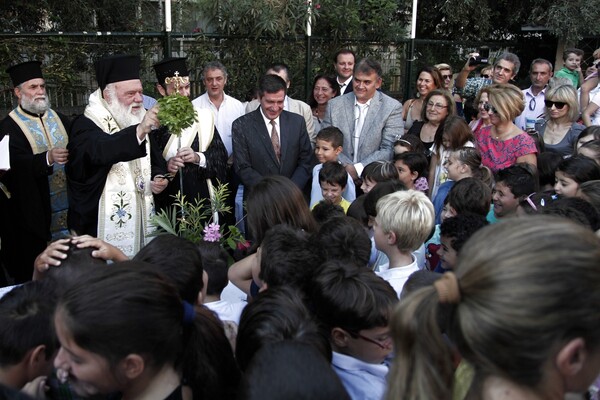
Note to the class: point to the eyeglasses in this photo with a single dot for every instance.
(532, 104)
(382, 344)
(486, 76)
(558, 104)
(446, 77)
(490, 108)
(437, 106)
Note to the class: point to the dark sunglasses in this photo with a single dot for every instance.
(558, 104)
(490, 108)
(486, 76)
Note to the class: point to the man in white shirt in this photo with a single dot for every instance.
(540, 74)
(225, 110)
(343, 63)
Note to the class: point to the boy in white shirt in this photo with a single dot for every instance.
(404, 221)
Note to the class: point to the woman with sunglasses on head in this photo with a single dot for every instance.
(560, 131)
(483, 119)
(503, 143)
(428, 79)
(448, 83)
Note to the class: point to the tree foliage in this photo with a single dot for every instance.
(503, 19)
(77, 15)
(571, 19)
(277, 18)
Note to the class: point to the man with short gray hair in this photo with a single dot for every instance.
(505, 69)
(369, 119)
(225, 108)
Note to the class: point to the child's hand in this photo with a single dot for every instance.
(36, 388)
(51, 256)
(103, 250)
(351, 169)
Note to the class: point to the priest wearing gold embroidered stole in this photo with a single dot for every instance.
(34, 196)
(202, 158)
(109, 171)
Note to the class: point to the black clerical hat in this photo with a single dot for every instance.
(25, 71)
(116, 69)
(168, 67)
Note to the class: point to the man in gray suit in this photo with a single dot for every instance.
(289, 104)
(369, 119)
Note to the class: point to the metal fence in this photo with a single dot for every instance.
(68, 60)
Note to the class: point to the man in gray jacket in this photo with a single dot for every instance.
(369, 119)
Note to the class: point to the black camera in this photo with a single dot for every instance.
(482, 58)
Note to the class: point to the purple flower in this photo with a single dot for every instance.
(211, 233)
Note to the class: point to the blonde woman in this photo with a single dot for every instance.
(560, 131)
(503, 143)
(511, 314)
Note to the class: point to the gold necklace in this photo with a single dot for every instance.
(503, 135)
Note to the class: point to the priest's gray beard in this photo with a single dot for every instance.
(124, 115)
(36, 105)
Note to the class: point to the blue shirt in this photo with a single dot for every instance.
(363, 381)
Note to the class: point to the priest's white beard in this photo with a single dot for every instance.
(36, 105)
(124, 115)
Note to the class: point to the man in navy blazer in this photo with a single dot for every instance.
(369, 119)
(254, 154)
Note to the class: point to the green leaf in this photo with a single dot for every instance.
(177, 113)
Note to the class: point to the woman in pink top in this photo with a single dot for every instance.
(503, 143)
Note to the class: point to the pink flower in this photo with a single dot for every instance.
(211, 233)
(243, 245)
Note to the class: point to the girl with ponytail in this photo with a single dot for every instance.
(525, 314)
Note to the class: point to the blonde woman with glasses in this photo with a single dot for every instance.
(560, 130)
